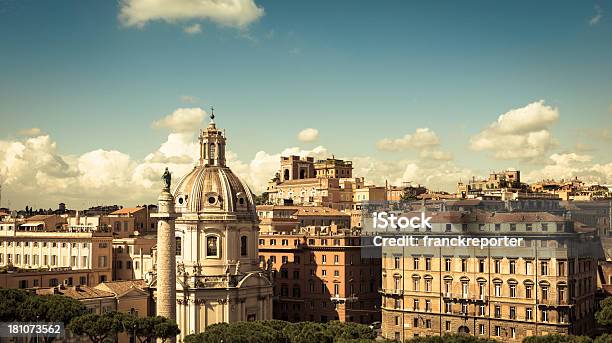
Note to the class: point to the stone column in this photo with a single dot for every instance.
(166, 256)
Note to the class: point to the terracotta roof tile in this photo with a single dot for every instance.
(128, 210)
(122, 286)
(76, 292)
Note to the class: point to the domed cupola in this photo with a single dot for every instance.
(211, 186)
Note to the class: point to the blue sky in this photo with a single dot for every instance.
(358, 71)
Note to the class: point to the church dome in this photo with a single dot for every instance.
(211, 187)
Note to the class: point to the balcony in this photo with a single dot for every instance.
(556, 302)
(464, 297)
(338, 299)
(387, 291)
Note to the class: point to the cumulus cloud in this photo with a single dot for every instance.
(193, 29)
(182, 120)
(234, 13)
(570, 165)
(521, 133)
(436, 154)
(435, 175)
(308, 135)
(597, 17)
(421, 138)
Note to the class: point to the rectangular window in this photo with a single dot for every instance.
(528, 267)
(528, 313)
(416, 263)
(447, 264)
(427, 263)
(396, 262)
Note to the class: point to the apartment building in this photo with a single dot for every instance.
(546, 285)
(42, 252)
(316, 263)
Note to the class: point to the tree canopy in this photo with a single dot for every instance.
(278, 331)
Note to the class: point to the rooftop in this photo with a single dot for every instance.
(122, 286)
(128, 210)
(76, 292)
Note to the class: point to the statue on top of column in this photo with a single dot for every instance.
(167, 178)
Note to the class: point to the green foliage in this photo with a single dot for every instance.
(349, 331)
(606, 302)
(278, 331)
(98, 327)
(605, 338)
(166, 330)
(10, 301)
(604, 316)
(23, 306)
(557, 339)
(454, 338)
(308, 332)
(148, 328)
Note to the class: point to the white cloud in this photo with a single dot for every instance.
(435, 175)
(308, 135)
(182, 120)
(521, 133)
(436, 154)
(31, 132)
(193, 29)
(421, 138)
(570, 165)
(234, 13)
(102, 168)
(597, 17)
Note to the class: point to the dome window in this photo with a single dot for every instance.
(241, 200)
(212, 199)
(181, 200)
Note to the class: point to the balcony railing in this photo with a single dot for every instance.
(462, 296)
(388, 291)
(556, 302)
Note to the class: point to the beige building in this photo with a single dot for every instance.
(304, 181)
(218, 278)
(122, 296)
(545, 285)
(40, 248)
(132, 257)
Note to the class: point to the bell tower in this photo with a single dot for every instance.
(212, 144)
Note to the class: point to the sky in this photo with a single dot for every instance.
(97, 97)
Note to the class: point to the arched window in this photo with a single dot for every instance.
(286, 174)
(244, 250)
(211, 155)
(178, 246)
(212, 246)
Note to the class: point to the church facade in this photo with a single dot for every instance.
(218, 276)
